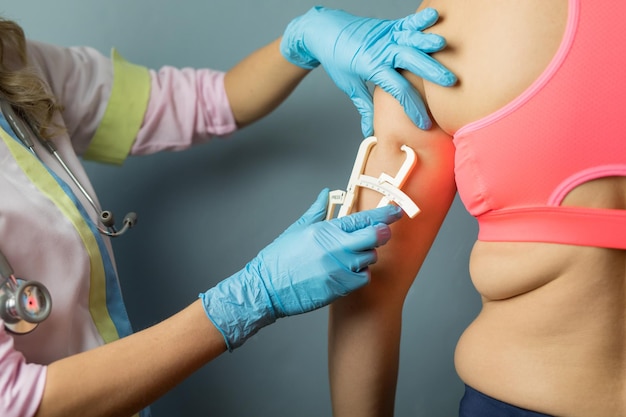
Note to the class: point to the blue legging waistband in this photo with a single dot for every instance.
(476, 404)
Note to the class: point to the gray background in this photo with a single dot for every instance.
(204, 213)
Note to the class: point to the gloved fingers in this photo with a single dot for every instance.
(359, 261)
(400, 88)
(387, 215)
(425, 42)
(362, 99)
(360, 279)
(367, 238)
(351, 279)
(424, 66)
(314, 214)
(367, 124)
(419, 21)
(365, 107)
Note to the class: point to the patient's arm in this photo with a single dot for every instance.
(364, 332)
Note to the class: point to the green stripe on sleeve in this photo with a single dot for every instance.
(124, 113)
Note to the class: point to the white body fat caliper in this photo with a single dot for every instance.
(388, 186)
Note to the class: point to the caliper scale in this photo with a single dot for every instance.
(388, 186)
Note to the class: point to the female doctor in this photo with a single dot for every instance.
(59, 104)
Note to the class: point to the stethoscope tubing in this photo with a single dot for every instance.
(25, 304)
(25, 133)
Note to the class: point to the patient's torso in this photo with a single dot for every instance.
(553, 327)
(525, 136)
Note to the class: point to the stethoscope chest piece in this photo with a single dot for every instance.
(23, 305)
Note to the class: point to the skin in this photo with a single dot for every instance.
(260, 82)
(151, 362)
(551, 336)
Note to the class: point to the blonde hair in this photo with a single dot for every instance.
(21, 86)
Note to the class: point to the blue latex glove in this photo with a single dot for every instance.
(354, 50)
(307, 267)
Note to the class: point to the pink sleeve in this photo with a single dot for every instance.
(21, 384)
(186, 106)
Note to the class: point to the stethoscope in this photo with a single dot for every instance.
(25, 304)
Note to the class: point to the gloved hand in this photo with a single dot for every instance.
(307, 267)
(354, 50)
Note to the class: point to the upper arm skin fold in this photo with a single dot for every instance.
(365, 326)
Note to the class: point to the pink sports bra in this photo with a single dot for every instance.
(514, 167)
